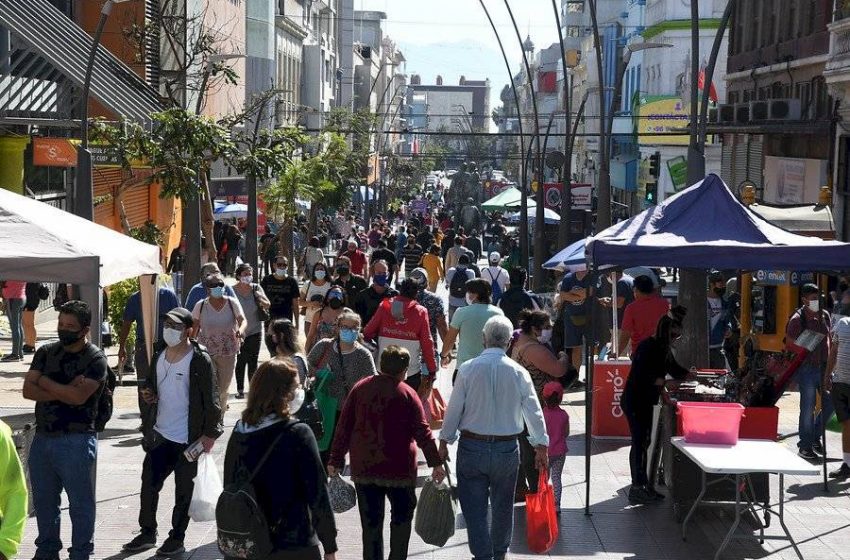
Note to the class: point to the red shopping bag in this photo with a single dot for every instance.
(541, 521)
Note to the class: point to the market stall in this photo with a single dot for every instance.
(702, 227)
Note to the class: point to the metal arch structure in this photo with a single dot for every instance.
(539, 210)
(523, 222)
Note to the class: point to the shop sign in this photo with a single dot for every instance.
(678, 168)
(772, 277)
(799, 277)
(53, 152)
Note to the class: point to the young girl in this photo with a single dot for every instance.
(558, 428)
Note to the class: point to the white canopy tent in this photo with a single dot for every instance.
(42, 243)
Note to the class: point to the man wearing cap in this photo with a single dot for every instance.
(496, 276)
(283, 292)
(810, 375)
(719, 320)
(357, 258)
(199, 291)
(184, 409)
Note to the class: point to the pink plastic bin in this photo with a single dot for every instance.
(712, 423)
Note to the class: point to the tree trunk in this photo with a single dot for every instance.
(207, 219)
(693, 348)
(125, 223)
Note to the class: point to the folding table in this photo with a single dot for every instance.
(736, 463)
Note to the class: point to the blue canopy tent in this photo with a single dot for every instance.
(702, 227)
(571, 258)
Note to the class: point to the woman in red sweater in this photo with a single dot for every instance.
(381, 424)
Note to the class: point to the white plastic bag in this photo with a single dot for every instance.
(207, 490)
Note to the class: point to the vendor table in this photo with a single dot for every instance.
(737, 463)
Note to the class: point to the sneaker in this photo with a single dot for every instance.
(841, 473)
(129, 369)
(171, 547)
(143, 541)
(11, 358)
(640, 495)
(808, 455)
(29, 349)
(817, 447)
(240, 395)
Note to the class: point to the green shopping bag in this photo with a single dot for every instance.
(328, 405)
(833, 425)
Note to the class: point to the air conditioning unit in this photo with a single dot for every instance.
(758, 111)
(726, 113)
(742, 113)
(784, 110)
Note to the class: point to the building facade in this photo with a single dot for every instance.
(776, 122)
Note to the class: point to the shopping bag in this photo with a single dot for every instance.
(541, 520)
(343, 495)
(328, 406)
(207, 490)
(435, 512)
(833, 425)
(436, 409)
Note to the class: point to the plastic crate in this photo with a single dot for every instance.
(711, 423)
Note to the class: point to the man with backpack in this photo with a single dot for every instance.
(456, 279)
(496, 276)
(516, 297)
(67, 381)
(184, 409)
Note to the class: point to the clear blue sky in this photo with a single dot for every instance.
(453, 38)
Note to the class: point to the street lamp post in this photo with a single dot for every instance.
(83, 201)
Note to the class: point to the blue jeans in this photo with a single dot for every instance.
(57, 462)
(810, 380)
(486, 474)
(14, 311)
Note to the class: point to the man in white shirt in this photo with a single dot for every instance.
(184, 409)
(491, 399)
(495, 275)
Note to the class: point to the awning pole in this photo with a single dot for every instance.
(588, 398)
(615, 335)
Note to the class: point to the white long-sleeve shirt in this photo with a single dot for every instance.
(492, 396)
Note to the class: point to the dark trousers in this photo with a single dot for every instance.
(527, 478)
(640, 425)
(164, 459)
(371, 502)
(249, 352)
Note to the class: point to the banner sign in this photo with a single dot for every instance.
(53, 152)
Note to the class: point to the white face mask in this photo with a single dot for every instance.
(172, 337)
(297, 401)
(545, 336)
(470, 299)
(246, 279)
(814, 306)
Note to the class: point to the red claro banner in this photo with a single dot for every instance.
(609, 382)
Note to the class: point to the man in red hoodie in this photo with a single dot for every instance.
(402, 321)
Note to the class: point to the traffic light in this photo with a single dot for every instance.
(655, 165)
(651, 196)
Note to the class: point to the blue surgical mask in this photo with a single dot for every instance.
(380, 279)
(280, 271)
(348, 336)
(217, 292)
(320, 274)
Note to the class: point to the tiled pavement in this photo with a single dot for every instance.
(819, 522)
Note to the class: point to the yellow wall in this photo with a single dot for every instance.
(12, 162)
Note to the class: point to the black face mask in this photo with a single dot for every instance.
(67, 338)
(720, 291)
(842, 287)
(271, 345)
(335, 303)
(342, 271)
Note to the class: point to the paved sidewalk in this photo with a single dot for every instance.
(819, 522)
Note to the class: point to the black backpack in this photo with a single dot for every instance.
(243, 530)
(457, 287)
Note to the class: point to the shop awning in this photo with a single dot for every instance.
(43, 73)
